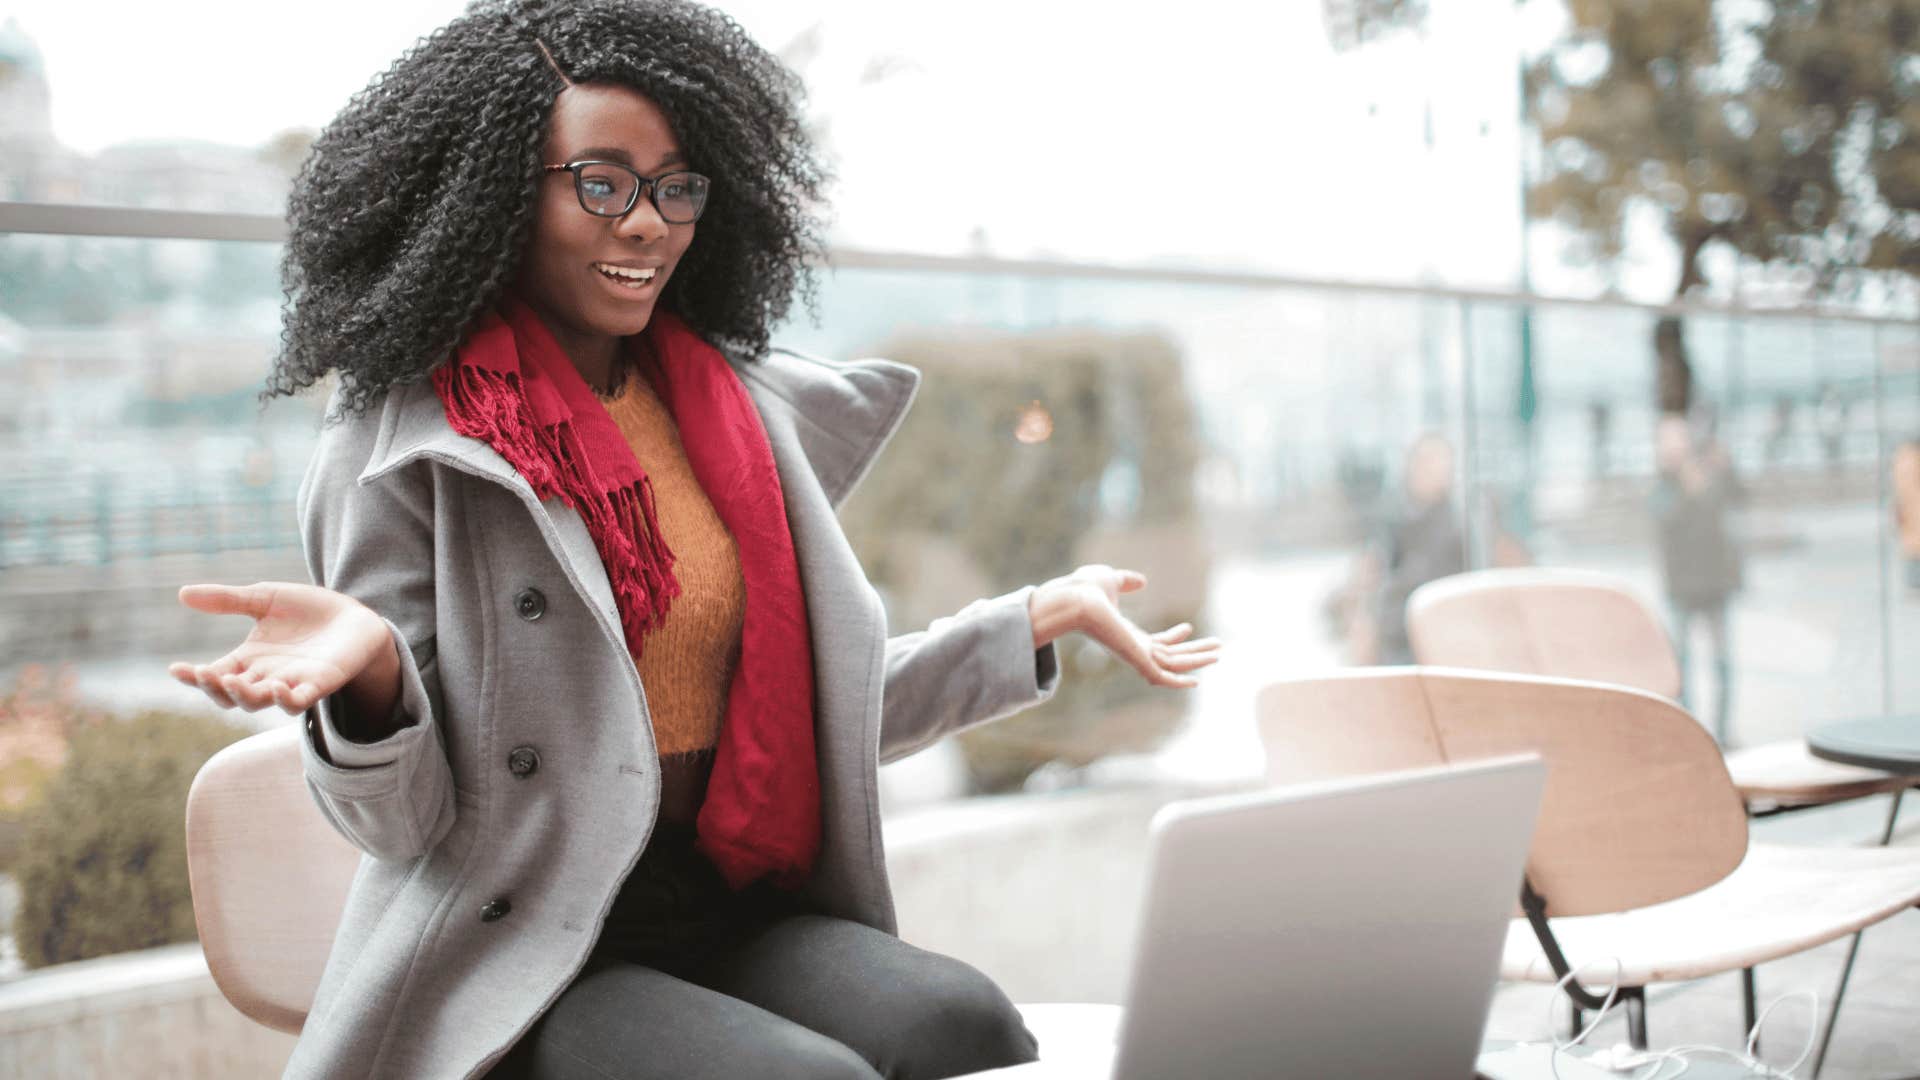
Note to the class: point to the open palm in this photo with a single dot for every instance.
(307, 642)
(1165, 658)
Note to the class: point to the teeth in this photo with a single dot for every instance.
(624, 272)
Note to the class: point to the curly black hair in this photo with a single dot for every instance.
(411, 213)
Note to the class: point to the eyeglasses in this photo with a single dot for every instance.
(610, 189)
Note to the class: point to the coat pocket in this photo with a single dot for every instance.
(397, 809)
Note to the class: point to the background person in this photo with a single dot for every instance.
(1700, 563)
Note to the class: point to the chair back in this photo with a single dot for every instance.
(269, 877)
(1574, 624)
(1638, 809)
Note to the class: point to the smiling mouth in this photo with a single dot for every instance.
(627, 277)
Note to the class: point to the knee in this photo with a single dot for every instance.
(967, 1024)
(785, 1050)
(804, 1055)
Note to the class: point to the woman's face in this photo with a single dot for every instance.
(566, 271)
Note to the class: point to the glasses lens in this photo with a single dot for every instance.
(605, 189)
(681, 196)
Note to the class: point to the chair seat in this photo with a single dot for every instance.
(1779, 901)
(1078, 1041)
(1786, 773)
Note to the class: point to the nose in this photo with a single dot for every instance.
(643, 222)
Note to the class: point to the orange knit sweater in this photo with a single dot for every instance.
(687, 664)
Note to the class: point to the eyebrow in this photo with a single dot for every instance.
(614, 153)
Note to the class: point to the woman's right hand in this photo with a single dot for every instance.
(307, 642)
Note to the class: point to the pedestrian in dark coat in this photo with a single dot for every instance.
(1700, 561)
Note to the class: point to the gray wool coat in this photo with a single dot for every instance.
(498, 824)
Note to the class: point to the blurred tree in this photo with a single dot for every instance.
(1782, 129)
(1353, 23)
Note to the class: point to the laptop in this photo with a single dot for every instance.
(1351, 929)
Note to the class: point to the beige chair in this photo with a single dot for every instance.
(270, 879)
(1581, 625)
(1641, 852)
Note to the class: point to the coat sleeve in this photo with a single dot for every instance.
(965, 669)
(392, 798)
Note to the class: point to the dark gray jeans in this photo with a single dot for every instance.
(690, 981)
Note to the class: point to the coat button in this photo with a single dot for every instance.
(494, 909)
(530, 604)
(523, 761)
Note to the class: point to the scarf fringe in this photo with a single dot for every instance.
(490, 406)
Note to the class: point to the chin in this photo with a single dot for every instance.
(628, 322)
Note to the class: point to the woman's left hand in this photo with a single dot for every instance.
(1088, 601)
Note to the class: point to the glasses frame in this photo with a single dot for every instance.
(648, 184)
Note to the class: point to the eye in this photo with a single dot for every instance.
(674, 189)
(596, 187)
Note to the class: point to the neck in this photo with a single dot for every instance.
(596, 359)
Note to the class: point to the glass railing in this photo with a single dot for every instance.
(1285, 459)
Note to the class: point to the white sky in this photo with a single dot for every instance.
(1070, 129)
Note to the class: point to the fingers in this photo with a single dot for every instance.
(1162, 659)
(1203, 645)
(1159, 676)
(1162, 665)
(253, 692)
(1189, 656)
(294, 699)
(190, 674)
(231, 686)
(1173, 663)
(252, 600)
(1132, 580)
(210, 684)
(1184, 664)
(245, 690)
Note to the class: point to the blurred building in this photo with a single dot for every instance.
(38, 169)
(175, 174)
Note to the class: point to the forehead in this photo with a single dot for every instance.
(610, 118)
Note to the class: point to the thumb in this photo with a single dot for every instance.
(251, 600)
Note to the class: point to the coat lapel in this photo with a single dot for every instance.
(415, 426)
(826, 424)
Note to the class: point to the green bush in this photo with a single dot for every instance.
(102, 865)
(1024, 456)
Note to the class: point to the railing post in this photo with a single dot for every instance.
(1469, 442)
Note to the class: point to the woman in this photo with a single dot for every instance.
(588, 669)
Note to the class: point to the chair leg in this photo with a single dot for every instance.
(1749, 1005)
(1636, 999)
(1833, 1010)
(1893, 816)
(1853, 951)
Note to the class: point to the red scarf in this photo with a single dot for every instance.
(513, 387)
